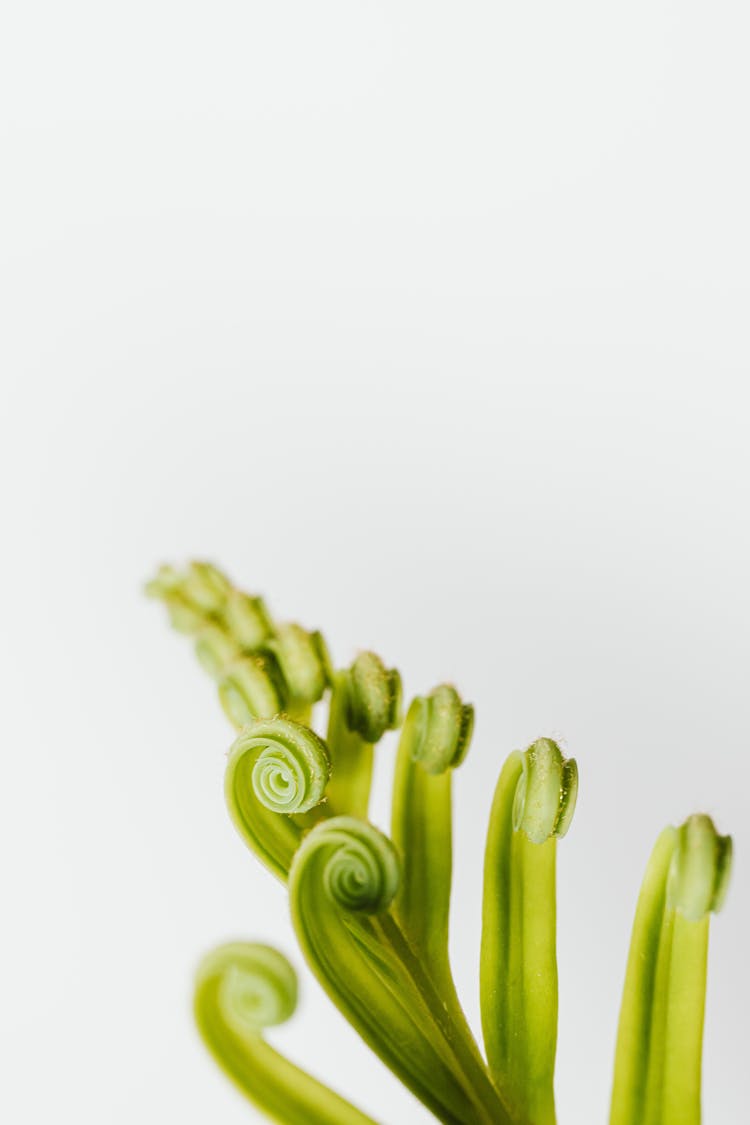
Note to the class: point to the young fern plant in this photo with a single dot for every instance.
(370, 911)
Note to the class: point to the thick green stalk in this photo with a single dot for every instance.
(434, 740)
(660, 1037)
(683, 1046)
(449, 1018)
(365, 703)
(641, 996)
(349, 791)
(533, 806)
(342, 882)
(241, 989)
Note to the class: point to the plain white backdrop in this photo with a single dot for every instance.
(429, 321)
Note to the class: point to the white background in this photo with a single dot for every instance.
(430, 321)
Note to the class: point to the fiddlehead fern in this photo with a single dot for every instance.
(440, 726)
(343, 880)
(241, 989)
(216, 649)
(365, 703)
(168, 587)
(261, 668)
(434, 740)
(206, 587)
(373, 919)
(546, 793)
(251, 689)
(373, 700)
(247, 619)
(533, 806)
(304, 663)
(660, 1035)
(700, 870)
(276, 768)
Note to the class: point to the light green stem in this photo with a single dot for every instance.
(435, 738)
(342, 882)
(454, 1030)
(351, 756)
(641, 996)
(533, 805)
(421, 830)
(660, 1036)
(240, 988)
(681, 1095)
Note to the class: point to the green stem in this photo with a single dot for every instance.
(488, 1103)
(342, 881)
(498, 918)
(532, 1062)
(240, 989)
(533, 805)
(681, 1095)
(660, 1035)
(351, 756)
(434, 739)
(640, 991)
(421, 830)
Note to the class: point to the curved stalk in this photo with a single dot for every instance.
(640, 992)
(434, 740)
(660, 1036)
(533, 806)
(241, 989)
(365, 703)
(275, 783)
(343, 880)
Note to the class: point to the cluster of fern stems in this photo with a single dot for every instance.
(370, 910)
